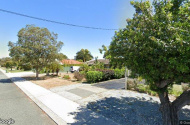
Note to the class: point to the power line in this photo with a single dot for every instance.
(52, 21)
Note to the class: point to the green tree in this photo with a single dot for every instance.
(104, 50)
(4, 60)
(10, 64)
(54, 67)
(62, 56)
(114, 64)
(84, 55)
(156, 45)
(37, 46)
(15, 54)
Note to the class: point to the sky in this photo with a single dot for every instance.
(111, 14)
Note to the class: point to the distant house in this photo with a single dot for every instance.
(70, 61)
(105, 61)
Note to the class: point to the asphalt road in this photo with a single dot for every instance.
(113, 84)
(17, 108)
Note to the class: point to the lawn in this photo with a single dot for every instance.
(14, 70)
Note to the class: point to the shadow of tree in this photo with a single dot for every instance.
(25, 78)
(124, 111)
(9, 80)
(113, 84)
(4, 81)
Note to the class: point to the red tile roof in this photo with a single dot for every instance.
(70, 61)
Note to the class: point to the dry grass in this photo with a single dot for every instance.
(52, 80)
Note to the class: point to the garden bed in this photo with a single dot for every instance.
(52, 80)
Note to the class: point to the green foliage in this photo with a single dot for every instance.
(106, 52)
(54, 67)
(145, 89)
(133, 75)
(98, 65)
(94, 76)
(84, 55)
(43, 71)
(80, 60)
(175, 90)
(83, 73)
(85, 68)
(66, 77)
(26, 66)
(119, 73)
(155, 42)
(61, 56)
(37, 46)
(140, 78)
(79, 76)
(107, 73)
(142, 88)
(4, 60)
(177, 93)
(10, 64)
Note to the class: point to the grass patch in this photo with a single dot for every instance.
(66, 77)
(176, 90)
(15, 71)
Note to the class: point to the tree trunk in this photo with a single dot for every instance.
(47, 73)
(169, 112)
(37, 73)
(57, 71)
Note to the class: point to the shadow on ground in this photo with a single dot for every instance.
(113, 84)
(20, 79)
(5, 81)
(124, 111)
(15, 79)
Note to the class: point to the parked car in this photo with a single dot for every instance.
(74, 69)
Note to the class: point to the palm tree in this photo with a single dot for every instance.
(84, 55)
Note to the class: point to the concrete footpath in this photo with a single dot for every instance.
(60, 109)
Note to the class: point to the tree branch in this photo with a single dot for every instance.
(182, 100)
(163, 83)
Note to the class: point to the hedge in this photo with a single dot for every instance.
(119, 73)
(94, 76)
(107, 73)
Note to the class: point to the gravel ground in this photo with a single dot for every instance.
(128, 107)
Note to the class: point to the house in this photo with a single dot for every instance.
(70, 62)
(106, 62)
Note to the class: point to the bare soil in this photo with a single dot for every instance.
(52, 80)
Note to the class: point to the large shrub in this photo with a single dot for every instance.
(78, 76)
(119, 73)
(27, 67)
(107, 73)
(94, 76)
(131, 84)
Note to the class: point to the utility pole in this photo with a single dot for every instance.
(125, 77)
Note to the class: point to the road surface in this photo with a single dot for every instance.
(18, 109)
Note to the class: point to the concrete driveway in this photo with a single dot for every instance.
(16, 107)
(84, 93)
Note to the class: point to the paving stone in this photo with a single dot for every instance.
(81, 92)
